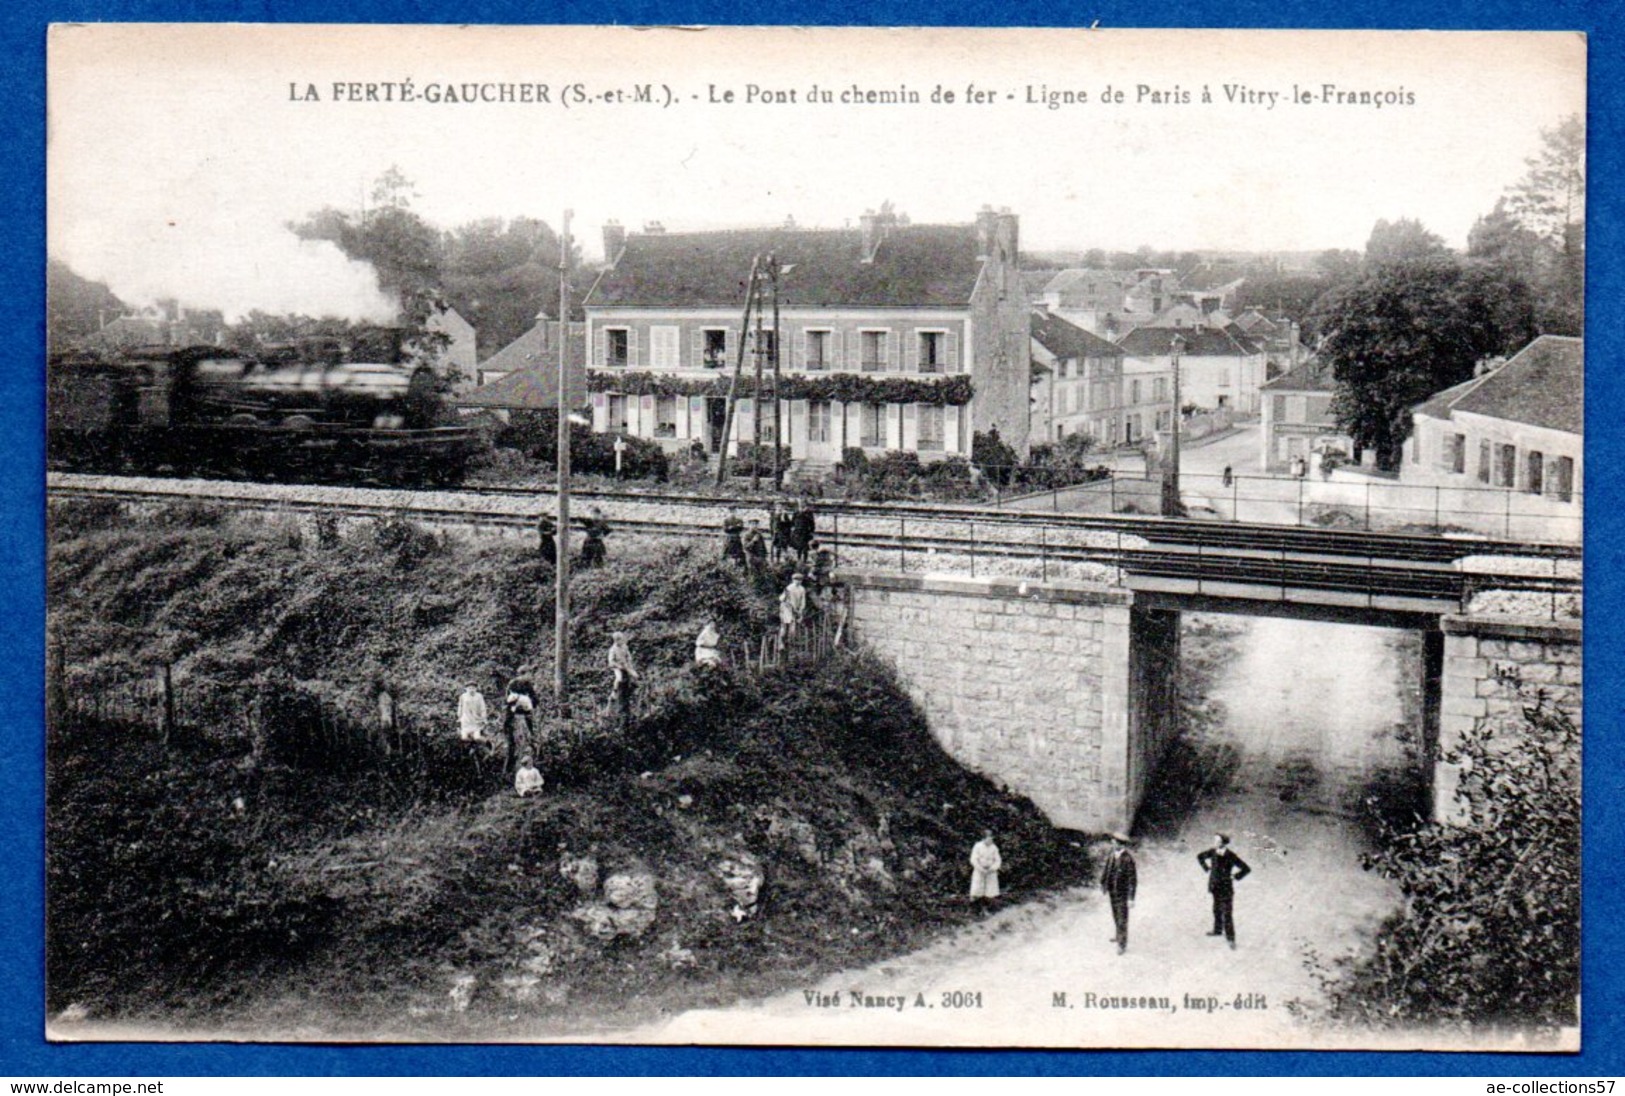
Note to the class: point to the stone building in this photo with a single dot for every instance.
(1297, 420)
(896, 336)
(1517, 427)
(1082, 391)
(1220, 368)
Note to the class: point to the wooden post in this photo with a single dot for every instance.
(56, 689)
(733, 383)
(169, 704)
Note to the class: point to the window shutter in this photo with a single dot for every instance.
(697, 348)
(601, 347)
(743, 420)
(600, 412)
(835, 359)
(951, 352)
(799, 358)
(837, 426)
(911, 426)
(632, 358)
(950, 427)
(798, 428)
(892, 416)
(730, 346)
(911, 353)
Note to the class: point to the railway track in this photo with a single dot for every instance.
(951, 538)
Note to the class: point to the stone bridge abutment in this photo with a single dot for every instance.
(1067, 692)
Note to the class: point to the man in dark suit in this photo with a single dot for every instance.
(1224, 868)
(1120, 880)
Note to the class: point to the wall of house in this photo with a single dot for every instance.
(1297, 423)
(1000, 346)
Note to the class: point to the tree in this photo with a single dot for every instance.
(1407, 329)
(1490, 932)
(1402, 240)
(1339, 265)
(1537, 232)
(74, 306)
(1550, 198)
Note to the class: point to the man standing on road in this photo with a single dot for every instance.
(1120, 880)
(1224, 868)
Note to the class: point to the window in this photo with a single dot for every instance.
(663, 346)
(930, 419)
(1159, 389)
(1483, 462)
(666, 416)
(714, 347)
(765, 340)
(1133, 392)
(617, 346)
(617, 413)
(1534, 480)
(1506, 465)
(818, 422)
(1458, 453)
(872, 351)
(1563, 478)
(872, 425)
(933, 351)
(1279, 408)
(818, 349)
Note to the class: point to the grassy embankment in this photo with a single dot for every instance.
(372, 887)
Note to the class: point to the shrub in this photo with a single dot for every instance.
(1490, 932)
(995, 458)
(757, 459)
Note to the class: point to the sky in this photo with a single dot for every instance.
(177, 154)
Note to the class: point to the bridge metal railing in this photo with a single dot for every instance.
(1339, 502)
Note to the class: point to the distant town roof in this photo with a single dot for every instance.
(1542, 385)
(1065, 339)
(913, 265)
(532, 365)
(1151, 342)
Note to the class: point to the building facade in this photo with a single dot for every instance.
(1518, 427)
(895, 336)
(1082, 389)
(1297, 420)
(1220, 368)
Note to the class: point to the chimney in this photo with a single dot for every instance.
(614, 241)
(653, 228)
(987, 223)
(1008, 235)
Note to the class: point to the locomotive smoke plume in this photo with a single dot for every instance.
(237, 268)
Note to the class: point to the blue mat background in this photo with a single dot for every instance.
(23, 1051)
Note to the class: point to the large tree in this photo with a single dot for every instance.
(1407, 328)
(1537, 230)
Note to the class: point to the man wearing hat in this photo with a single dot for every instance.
(792, 609)
(1224, 868)
(1120, 880)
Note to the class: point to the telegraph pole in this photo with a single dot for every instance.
(739, 366)
(778, 352)
(1171, 507)
(561, 570)
(756, 401)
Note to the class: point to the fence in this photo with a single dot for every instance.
(1343, 500)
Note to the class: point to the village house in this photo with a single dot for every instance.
(1081, 385)
(1297, 420)
(896, 336)
(1220, 368)
(456, 354)
(537, 350)
(1517, 427)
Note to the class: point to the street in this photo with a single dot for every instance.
(1304, 722)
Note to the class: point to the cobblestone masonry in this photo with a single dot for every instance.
(1494, 668)
(1027, 683)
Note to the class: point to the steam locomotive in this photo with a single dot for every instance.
(319, 409)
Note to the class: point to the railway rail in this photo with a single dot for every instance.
(954, 539)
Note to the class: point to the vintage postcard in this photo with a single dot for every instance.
(917, 537)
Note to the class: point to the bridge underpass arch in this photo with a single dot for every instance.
(1066, 692)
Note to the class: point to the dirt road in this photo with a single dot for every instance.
(1304, 722)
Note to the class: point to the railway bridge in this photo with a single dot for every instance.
(1066, 690)
(1045, 647)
